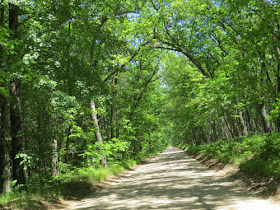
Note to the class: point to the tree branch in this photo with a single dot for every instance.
(140, 97)
(122, 66)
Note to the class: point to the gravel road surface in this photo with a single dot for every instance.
(173, 180)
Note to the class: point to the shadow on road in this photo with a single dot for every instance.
(173, 180)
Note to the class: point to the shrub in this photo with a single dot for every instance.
(254, 154)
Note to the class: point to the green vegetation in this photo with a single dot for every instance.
(255, 155)
(86, 84)
(80, 93)
(75, 184)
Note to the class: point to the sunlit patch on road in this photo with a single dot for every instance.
(173, 180)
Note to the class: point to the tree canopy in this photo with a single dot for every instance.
(83, 83)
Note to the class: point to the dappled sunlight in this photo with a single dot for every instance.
(172, 152)
(173, 180)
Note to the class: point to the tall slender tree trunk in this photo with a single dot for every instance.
(54, 144)
(277, 39)
(243, 123)
(97, 131)
(229, 124)
(54, 156)
(263, 115)
(113, 107)
(117, 122)
(17, 142)
(68, 141)
(224, 132)
(5, 172)
(261, 107)
(40, 142)
(248, 118)
(214, 131)
(277, 124)
(114, 110)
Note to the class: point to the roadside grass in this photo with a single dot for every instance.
(254, 155)
(73, 185)
(113, 169)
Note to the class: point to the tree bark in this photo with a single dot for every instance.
(263, 115)
(214, 131)
(248, 118)
(229, 123)
(243, 123)
(113, 107)
(5, 172)
(54, 144)
(97, 131)
(40, 142)
(54, 156)
(17, 143)
(278, 90)
(68, 141)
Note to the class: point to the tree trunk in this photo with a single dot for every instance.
(248, 117)
(113, 107)
(229, 125)
(224, 134)
(40, 142)
(117, 124)
(1, 25)
(263, 115)
(17, 143)
(277, 124)
(243, 123)
(54, 156)
(214, 131)
(97, 131)
(68, 141)
(5, 173)
(54, 143)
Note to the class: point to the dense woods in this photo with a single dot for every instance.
(88, 83)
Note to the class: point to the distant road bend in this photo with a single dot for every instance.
(173, 180)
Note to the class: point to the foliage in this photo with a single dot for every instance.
(255, 155)
(160, 72)
(112, 149)
(75, 184)
(63, 55)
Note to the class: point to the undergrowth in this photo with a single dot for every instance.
(255, 155)
(72, 185)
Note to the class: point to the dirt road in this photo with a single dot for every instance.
(173, 180)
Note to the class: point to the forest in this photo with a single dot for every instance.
(86, 85)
